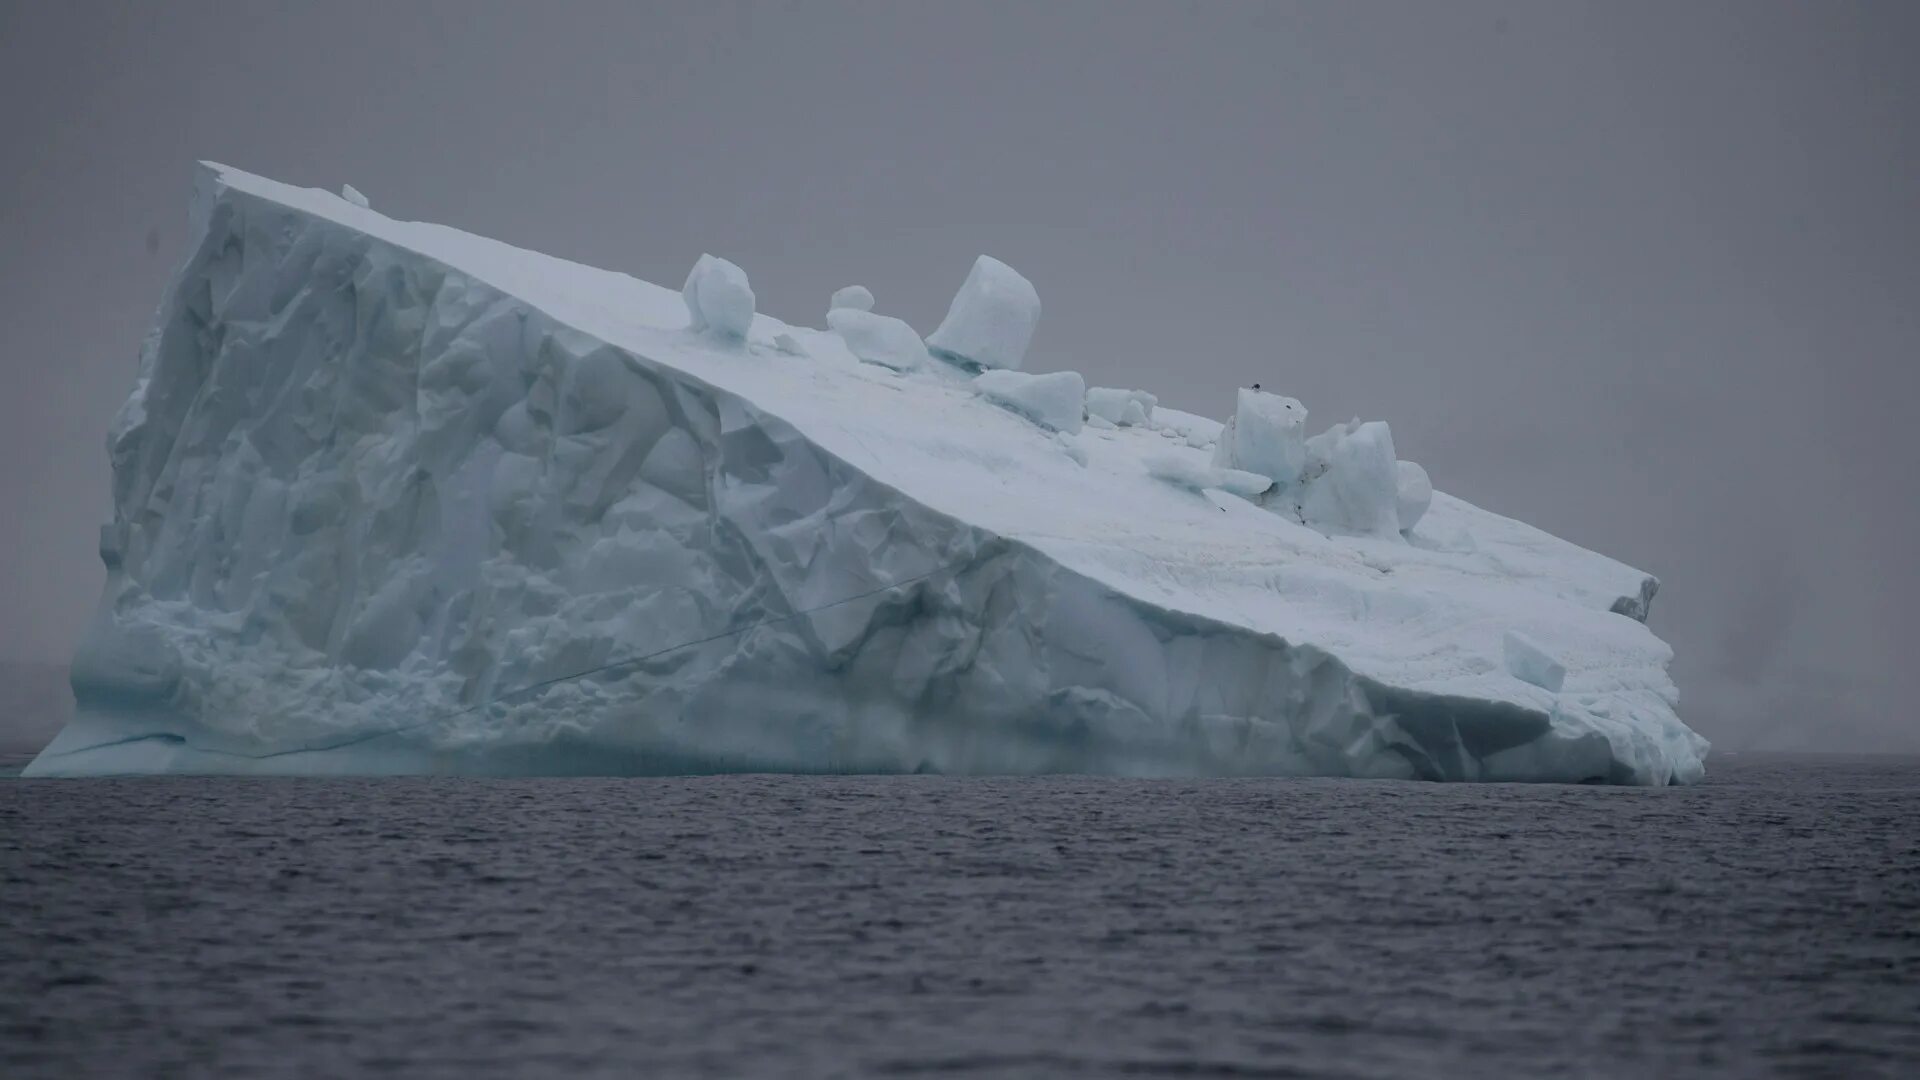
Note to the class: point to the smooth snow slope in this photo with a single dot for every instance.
(384, 489)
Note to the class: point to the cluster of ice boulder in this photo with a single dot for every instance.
(388, 497)
(988, 327)
(1346, 479)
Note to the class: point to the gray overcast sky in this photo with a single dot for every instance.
(1644, 274)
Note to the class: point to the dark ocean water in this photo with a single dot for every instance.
(1767, 922)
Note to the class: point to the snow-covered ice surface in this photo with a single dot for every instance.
(384, 490)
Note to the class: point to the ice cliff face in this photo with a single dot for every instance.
(392, 498)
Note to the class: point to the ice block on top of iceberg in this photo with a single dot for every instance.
(1267, 434)
(718, 298)
(854, 297)
(1056, 400)
(991, 320)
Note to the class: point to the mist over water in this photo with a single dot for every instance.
(1763, 922)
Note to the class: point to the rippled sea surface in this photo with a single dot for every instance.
(1765, 922)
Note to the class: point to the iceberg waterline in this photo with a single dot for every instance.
(389, 497)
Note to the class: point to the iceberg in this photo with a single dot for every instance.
(392, 498)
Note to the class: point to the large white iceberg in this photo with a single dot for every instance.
(389, 498)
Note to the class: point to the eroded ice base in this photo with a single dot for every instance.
(383, 488)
